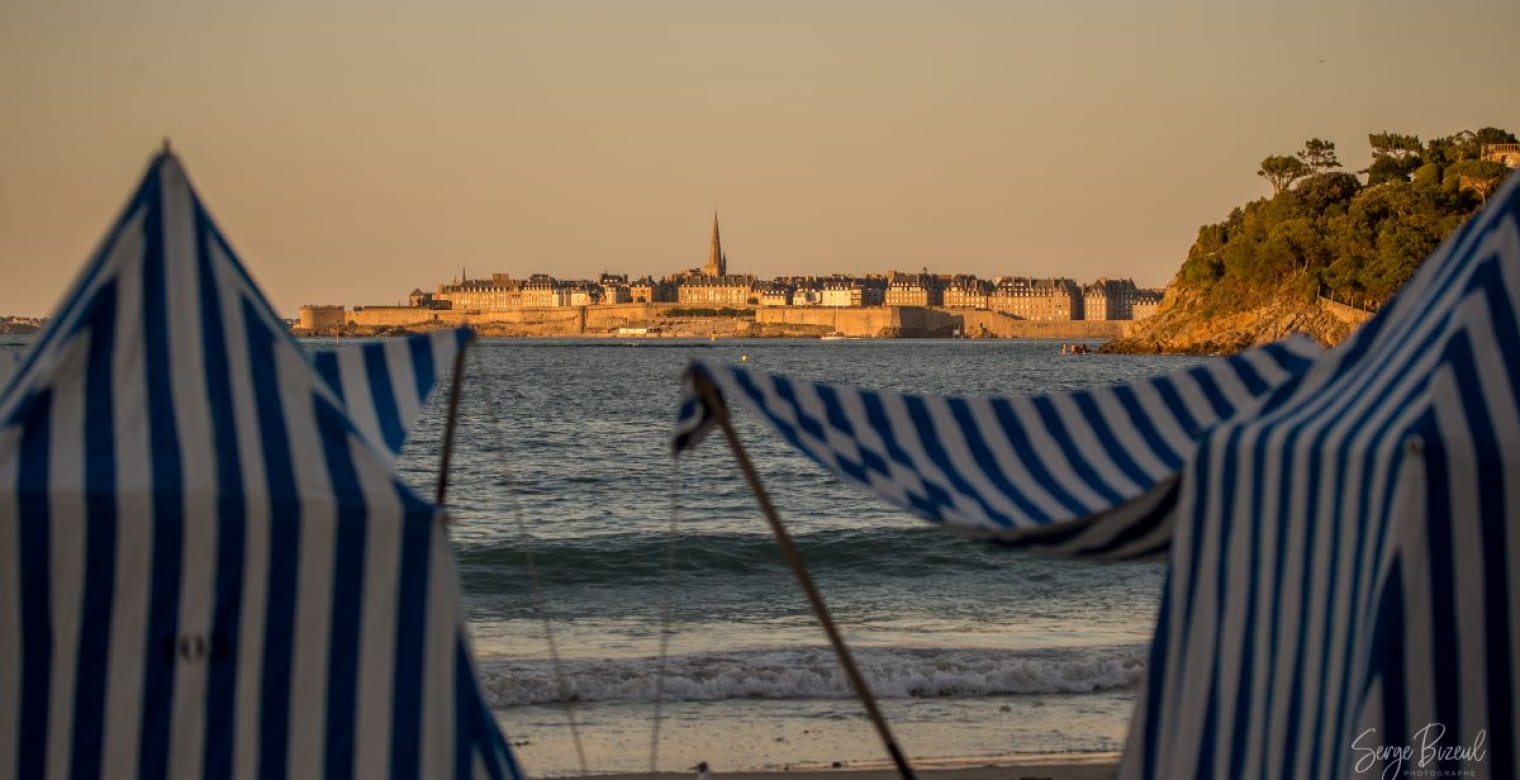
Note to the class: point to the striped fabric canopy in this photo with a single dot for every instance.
(207, 568)
(383, 384)
(1089, 472)
(1340, 600)
(8, 362)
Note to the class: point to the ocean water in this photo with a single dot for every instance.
(975, 651)
(654, 579)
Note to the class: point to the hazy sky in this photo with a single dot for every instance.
(355, 150)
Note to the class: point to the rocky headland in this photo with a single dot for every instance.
(1327, 249)
(1186, 324)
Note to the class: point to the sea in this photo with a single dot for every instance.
(630, 610)
(608, 584)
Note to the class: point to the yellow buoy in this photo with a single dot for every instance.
(744, 358)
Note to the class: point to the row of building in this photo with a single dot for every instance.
(711, 286)
(1023, 297)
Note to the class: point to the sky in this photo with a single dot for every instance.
(353, 151)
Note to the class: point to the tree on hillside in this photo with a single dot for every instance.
(1394, 157)
(1445, 150)
(1480, 176)
(1319, 155)
(1281, 171)
(1327, 193)
(1386, 144)
(1493, 135)
(1324, 233)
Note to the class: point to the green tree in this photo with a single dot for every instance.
(1398, 145)
(1445, 150)
(1324, 233)
(1319, 155)
(1493, 135)
(1203, 265)
(1281, 171)
(1394, 157)
(1428, 176)
(1479, 176)
(1401, 247)
(1327, 193)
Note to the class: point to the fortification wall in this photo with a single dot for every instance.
(864, 322)
(321, 319)
(991, 324)
(867, 322)
(552, 321)
(394, 316)
(569, 319)
(921, 322)
(604, 319)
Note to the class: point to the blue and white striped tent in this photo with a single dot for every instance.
(383, 384)
(8, 361)
(1342, 598)
(208, 567)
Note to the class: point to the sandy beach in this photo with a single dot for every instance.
(1067, 766)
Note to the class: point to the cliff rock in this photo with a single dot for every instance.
(1186, 324)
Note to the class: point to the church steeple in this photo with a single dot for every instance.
(717, 262)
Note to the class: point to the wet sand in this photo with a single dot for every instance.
(1082, 766)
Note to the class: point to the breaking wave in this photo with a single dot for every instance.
(814, 673)
(903, 552)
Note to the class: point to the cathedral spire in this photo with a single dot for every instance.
(717, 262)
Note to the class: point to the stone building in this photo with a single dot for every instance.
(841, 292)
(1147, 303)
(1508, 154)
(613, 288)
(806, 290)
(712, 285)
(321, 319)
(650, 290)
(541, 291)
(1109, 299)
(914, 290)
(774, 294)
(708, 291)
(580, 294)
(717, 262)
(807, 296)
(494, 294)
(966, 292)
(1055, 299)
(425, 300)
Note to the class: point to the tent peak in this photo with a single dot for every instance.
(165, 152)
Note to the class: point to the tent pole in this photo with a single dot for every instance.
(455, 388)
(793, 557)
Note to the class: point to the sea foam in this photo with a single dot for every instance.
(814, 673)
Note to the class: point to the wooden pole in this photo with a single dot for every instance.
(793, 557)
(448, 428)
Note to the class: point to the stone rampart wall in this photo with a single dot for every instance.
(997, 325)
(562, 320)
(862, 322)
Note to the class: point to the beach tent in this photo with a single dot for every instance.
(1341, 528)
(8, 361)
(383, 384)
(208, 567)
